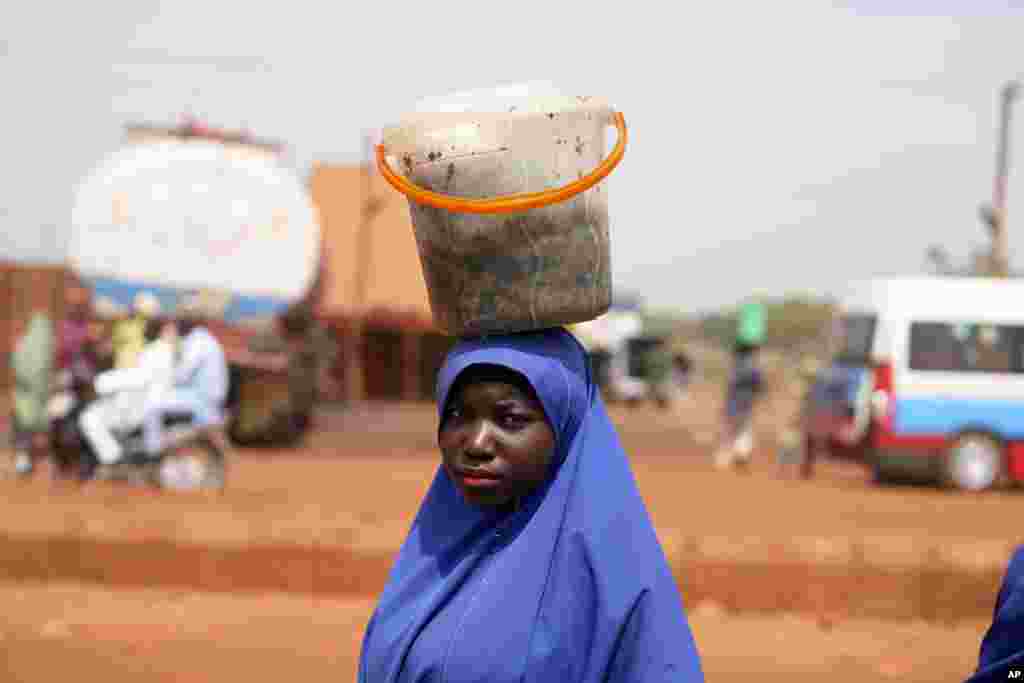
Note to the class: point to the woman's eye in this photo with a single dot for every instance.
(452, 414)
(514, 420)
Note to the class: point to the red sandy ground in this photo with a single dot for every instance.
(54, 631)
(359, 480)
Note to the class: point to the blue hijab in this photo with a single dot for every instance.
(572, 586)
(1002, 650)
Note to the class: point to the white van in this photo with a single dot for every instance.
(938, 372)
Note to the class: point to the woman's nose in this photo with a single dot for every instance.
(480, 442)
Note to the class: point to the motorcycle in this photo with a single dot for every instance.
(73, 389)
(192, 458)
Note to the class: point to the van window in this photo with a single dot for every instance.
(968, 347)
(855, 334)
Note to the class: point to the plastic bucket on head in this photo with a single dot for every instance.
(510, 220)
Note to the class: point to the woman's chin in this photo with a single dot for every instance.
(484, 498)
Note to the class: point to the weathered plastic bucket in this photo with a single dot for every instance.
(510, 220)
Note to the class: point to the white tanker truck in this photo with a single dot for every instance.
(191, 214)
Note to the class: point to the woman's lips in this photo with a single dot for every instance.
(478, 479)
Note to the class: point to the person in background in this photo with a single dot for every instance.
(745, 384)
(682, 369)
(303, 347)
(128, 334)
(795, 454)
(656, 364)
(1002, 650)
(314, 353)
(78, 360)
(125, 392)
(812, 447)
(32, 364)
(76, 345)
(200, 381)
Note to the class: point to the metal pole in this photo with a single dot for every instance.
(369, 207)
(1000, 243)
(368, 210)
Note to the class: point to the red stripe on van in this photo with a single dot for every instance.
(924, 443)
(1015, 460)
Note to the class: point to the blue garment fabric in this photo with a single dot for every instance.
(571, 587)
(1002, 650)
(744, 386)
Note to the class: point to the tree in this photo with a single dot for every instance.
(792, 321)
(938, 262)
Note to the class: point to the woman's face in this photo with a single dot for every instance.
(495, 439)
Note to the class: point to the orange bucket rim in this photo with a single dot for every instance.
(508, 203)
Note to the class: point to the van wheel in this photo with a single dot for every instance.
(974, 462)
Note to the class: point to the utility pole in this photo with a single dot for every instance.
(994, 214)
(370, 206)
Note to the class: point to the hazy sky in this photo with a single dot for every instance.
(774, 146)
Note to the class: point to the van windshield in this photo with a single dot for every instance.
(854, 336)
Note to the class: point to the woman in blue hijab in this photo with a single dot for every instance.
(1002, 650)
(532, 557)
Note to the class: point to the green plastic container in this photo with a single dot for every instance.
(750, 327)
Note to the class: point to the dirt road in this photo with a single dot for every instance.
(56, 631)
(113, 583)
